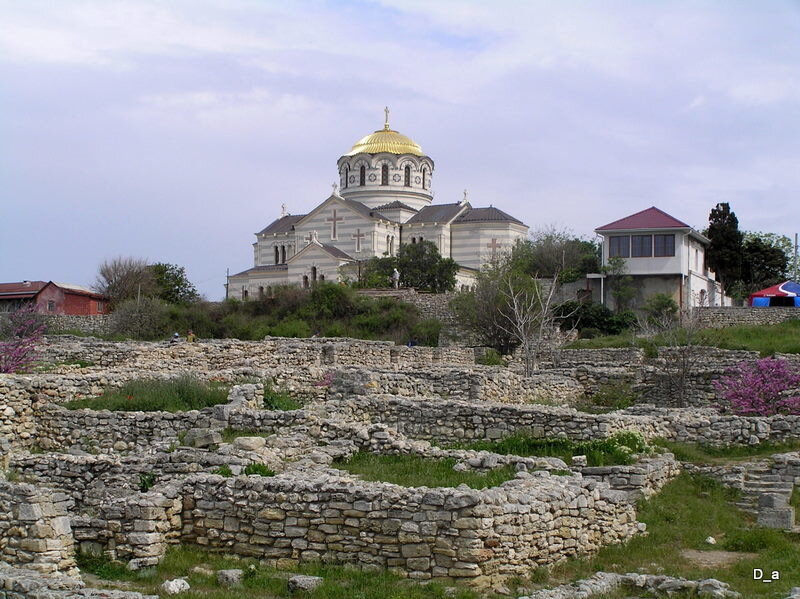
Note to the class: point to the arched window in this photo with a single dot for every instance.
(388, 244)
(346, 176)
(244, 294)
(385, 174)
(305, 281)
(260, 293)
(322, 277)
(408, 176)
(283, 254)
(362, 176)
(277, 255)
(413, 240)
(313, 273)
(269, 290)
(424, 182)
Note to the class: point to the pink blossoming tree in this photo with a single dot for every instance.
(761, 388)
(18, 352)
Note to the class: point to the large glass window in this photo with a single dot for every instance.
(664, 245)
(385, 174)
(641, 246)
(407, 181)
(362, 176)
(619, 246)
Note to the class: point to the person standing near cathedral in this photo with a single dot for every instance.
(396, 279)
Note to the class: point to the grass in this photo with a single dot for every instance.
(262, 582)
(152, 395)
(765, 339)
(617, 449)
(230, 434)
(681, 516)
(415, 471)
(276, 399)
(707, 454)
(258, 469)
(223, 470)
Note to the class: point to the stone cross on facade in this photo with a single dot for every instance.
(333, 220)
(465, 196)
(335, 187)
(283, 210)
(358, 236)
(494, 246)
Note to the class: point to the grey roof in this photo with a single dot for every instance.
(361, 208)
(440, 213)
(266, 268)
(396, 204)
(282, 225)
(485, 215)
(336, 252)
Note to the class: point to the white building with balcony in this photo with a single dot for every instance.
(663, 255)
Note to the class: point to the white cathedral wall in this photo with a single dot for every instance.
(373, 242)
(264, 248)
(253, 282)
(303, 265)
(471, 243)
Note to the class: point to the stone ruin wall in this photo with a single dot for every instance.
(35, 529)
(423, 532)
(193, 505)
(731, 316)
(452, 421)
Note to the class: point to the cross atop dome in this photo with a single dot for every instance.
(386, 122)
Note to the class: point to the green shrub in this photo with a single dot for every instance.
(291, 328)
(491, 357)
(223, 470)
(617, 395)
(180, 394)
(258, 470)
(426, 332)
(329, 300)
(146, 481)
(661, 309)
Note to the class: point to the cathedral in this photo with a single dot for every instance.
(383, 200)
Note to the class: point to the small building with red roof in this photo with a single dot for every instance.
(663, 255)
(52, 298)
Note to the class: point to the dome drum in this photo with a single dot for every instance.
(385, 166)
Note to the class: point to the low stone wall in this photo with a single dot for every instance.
(424, 533)
(24, 583)
(96, 324)
(35, 529)
(743, 316)
(104, 431)
(18, 406)
(643, 479)
(272, 352)
(452, 421)
(136, 528)
(477, 383)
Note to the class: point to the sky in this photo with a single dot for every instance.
(173, 131)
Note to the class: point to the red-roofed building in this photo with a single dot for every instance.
(52, 298)
(663, 255)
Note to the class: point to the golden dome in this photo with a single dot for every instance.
(386, 140)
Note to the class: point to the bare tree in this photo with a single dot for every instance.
(125, 278)
(531, 318)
